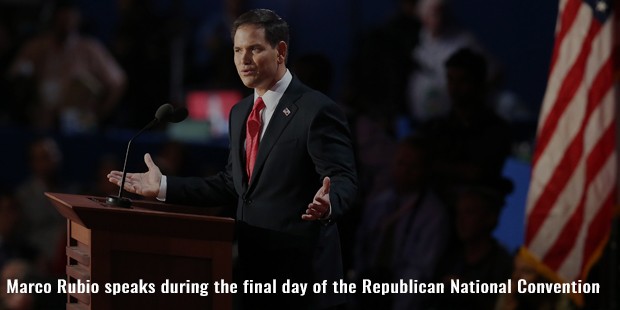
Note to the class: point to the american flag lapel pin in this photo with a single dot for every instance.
(286, 111)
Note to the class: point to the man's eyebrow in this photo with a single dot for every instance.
(249, 46)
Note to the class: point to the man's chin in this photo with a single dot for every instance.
(248, 82)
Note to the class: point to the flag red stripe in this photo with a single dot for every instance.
(594, 163)
(569, 161)
(602, 82)
(574, 175)
(599, 230)
(569, 14)
(556, 255)
(566, 92)
(554, 188)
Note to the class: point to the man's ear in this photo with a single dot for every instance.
(282, 50)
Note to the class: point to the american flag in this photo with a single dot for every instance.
(573, 185)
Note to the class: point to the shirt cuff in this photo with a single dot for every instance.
(327, 220)
(329, 214)
(163, 185)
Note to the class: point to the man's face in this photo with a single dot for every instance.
(258, 64)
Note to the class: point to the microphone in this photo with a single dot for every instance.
(166, 113)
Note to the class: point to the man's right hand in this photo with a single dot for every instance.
(145, 184)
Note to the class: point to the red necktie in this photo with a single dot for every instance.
(252, 135)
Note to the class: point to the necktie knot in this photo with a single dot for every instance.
(255, 121)
(259, 104)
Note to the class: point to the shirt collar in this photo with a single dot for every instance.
(273, 95)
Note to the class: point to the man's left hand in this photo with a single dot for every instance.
(320, 206)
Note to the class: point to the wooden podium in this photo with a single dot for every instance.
(150, 243)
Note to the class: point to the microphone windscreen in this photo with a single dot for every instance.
(164, 112)
(178, 115)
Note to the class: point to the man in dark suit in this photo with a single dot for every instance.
(290, 171)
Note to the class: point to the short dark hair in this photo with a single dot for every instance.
(276, 29)
(470, 61)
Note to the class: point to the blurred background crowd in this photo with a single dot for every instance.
(442, 98)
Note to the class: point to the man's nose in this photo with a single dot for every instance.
(246, 58)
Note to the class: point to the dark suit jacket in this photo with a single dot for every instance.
(296, 152)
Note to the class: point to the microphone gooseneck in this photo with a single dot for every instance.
(165, 113)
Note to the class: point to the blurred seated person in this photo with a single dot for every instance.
(24, 272)
(526, 270)
(476, 254)
(384, 79)
(13, 244)
(472, 142)
(439, 38)
(15, 269)
(404, 230)
(44, 226)
(77, 82)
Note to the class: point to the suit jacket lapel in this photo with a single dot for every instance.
(238, 140)
(277, 124)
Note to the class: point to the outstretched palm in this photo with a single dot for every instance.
(145, 184)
